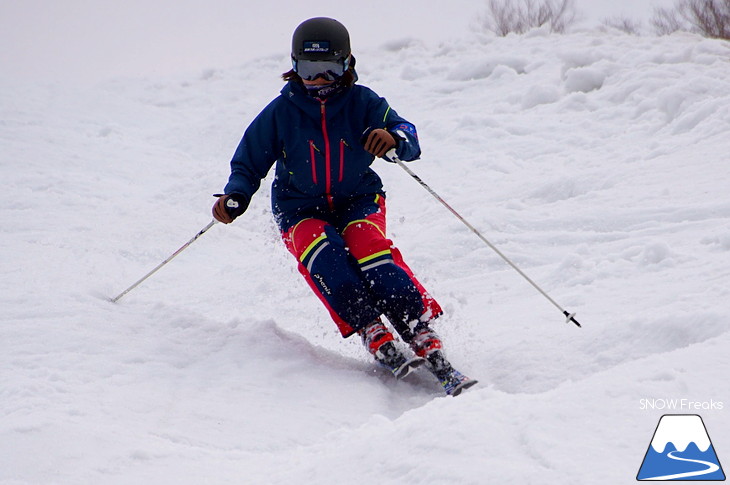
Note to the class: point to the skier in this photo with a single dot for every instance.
(324, 131)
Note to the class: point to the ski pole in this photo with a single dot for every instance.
(182, 248)
(570, 317)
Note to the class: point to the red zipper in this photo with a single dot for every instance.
(312, 148)
(327, 159)
(343, 144)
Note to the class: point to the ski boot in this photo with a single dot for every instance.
(427, 344)
(380, 342)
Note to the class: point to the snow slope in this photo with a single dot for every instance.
(597, 161)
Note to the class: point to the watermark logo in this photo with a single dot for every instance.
(681, 450)
(680, 405)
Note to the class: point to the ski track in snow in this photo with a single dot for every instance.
(596, 161)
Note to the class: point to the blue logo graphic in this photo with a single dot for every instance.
(681, 450)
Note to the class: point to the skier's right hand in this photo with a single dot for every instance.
(229, 206)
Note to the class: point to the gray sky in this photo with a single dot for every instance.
(84, 41)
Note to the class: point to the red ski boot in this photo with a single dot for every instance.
(380, 342)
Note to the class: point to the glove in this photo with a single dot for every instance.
(378, 142)
(229, 206)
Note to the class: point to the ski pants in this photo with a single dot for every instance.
(354, 269)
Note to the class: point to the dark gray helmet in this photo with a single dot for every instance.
(320, 39)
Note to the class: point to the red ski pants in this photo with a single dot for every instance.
(355, 270)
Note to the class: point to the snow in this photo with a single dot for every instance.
(596, 161)
(81, 42)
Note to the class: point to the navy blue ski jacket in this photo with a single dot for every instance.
(320, 161)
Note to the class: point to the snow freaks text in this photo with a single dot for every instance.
(682, 405)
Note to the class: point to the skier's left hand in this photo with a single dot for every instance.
(378, 142)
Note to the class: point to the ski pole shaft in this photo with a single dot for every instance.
(570, 317)
(170, 258)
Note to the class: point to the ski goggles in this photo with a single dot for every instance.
(329, 70)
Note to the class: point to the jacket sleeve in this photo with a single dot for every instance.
(386, 117)
(256, 153)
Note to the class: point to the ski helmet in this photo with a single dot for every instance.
(320, 45)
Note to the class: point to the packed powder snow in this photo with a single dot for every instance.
(596, 161)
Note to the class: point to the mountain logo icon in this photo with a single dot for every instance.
(681, 450)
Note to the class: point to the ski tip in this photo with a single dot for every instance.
(463, 387)
(408, 367)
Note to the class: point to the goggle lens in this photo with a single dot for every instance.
(311, 70)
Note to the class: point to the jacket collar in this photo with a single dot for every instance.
(297, 94)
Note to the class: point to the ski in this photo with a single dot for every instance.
(456, 382)
(452, 381)
(407, 367)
